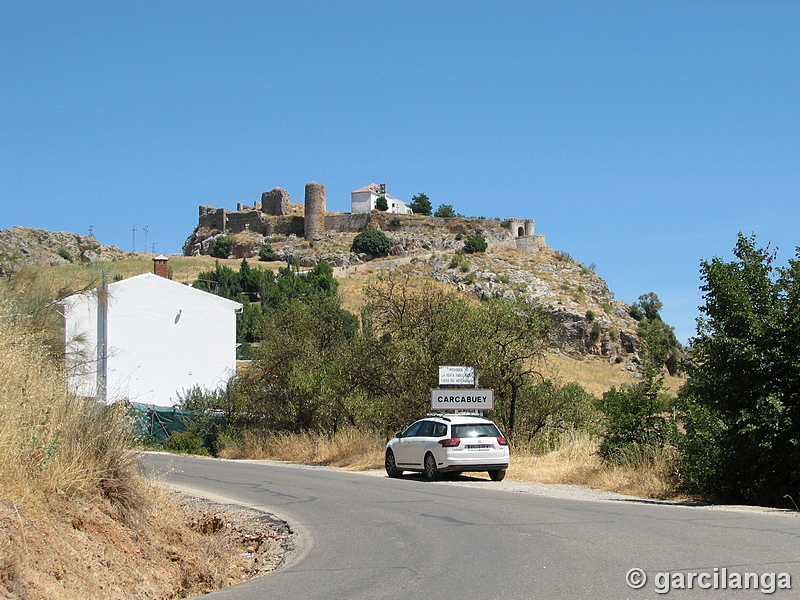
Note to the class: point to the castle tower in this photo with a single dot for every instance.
(529, 227)
(275, 202)
(315, 210)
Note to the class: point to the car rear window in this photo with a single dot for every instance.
(467, 430)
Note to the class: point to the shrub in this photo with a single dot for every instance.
(222, 246)
(636, 312)
(185, 442)
(634, 420)
(564, 257)
(395, 222)
(64, 253)
(371, 242)
(475, 243)
(267, 253)
(590, 315)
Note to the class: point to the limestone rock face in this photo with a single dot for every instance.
(21, 246)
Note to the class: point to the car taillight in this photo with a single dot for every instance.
(450, 443)
(502, 441)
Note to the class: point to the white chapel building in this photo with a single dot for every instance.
(363, 200)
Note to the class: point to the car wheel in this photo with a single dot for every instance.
(497, 474)
(391, 466)
(431, 470)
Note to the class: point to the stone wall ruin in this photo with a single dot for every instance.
(276, 215)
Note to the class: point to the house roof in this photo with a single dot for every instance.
(155, 281)
(372, 187)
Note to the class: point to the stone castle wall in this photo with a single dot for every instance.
(275, 215)
(531, 243)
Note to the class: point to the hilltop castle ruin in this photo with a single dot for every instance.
(276, 215)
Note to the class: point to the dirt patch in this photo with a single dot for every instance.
(180, 547)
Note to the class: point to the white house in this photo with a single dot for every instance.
(162, 338)
(363, 200)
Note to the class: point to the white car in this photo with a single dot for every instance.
(448, 444)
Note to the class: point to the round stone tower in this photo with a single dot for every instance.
(315, 210)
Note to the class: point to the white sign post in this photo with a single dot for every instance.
(464, 399)
(456, 375)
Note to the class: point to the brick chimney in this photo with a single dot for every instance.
(160, 265)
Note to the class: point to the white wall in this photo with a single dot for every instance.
(361, 202)
(163, 338)
(364, 202)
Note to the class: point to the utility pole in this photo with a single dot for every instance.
(91, 230)
(102, 341)
(133, 244)
(145, 228)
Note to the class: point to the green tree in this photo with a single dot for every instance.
(373, 242)
(742, 399)
(222, 247)
(381, 203)
(445, 210)
(421, 205)
(475, 243)
(506, 341)
(650, 305)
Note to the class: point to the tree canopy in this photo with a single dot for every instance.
(742, 400)
(421, 205)
(445, 210)
(475, 243)
(372, 242)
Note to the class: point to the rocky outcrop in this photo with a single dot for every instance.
(590, 321)
(21, 246)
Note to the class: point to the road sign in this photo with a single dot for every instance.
(456, 375)
(464, 399)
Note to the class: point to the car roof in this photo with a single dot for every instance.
(457, 419)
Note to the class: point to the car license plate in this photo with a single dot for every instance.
(478, 447)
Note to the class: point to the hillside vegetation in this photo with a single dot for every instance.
(70, 466)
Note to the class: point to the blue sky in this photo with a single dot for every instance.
(641, 136)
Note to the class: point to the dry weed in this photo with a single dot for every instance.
(349, 447)
(574, 460)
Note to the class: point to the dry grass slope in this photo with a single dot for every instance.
(77, 520)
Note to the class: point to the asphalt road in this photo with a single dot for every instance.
(364, 536)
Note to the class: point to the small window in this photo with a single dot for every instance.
(439, 430)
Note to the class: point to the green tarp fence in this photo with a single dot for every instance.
(159, 422)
